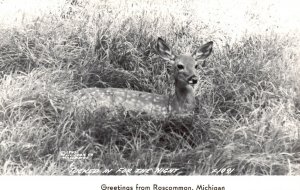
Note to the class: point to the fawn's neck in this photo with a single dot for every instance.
(184, 98)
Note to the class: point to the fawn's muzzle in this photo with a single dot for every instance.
(192, 79)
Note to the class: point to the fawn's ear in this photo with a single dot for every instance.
(164, 50)
(203, 52)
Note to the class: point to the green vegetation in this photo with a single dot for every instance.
(249, 108)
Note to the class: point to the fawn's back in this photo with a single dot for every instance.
(95, 98)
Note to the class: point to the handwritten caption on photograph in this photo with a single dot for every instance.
(74, 169)
(127, 171)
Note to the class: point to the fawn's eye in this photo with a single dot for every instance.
(196, 66)
(180, 67)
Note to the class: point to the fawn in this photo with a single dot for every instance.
(183, 101)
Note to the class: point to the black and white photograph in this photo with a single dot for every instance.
(150, 88)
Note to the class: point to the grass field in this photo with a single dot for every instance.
(249, 109)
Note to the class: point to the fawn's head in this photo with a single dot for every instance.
(184, 65)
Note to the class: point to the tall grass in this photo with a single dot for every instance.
(249, 104)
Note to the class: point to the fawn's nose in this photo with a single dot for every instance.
(192, 79)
